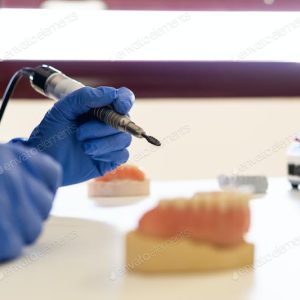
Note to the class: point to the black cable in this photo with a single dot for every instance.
(11, 87)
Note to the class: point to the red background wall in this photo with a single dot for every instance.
(180, 4)
(174, 79)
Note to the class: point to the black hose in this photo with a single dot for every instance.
(11, 87)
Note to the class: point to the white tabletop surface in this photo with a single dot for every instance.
(80, 254)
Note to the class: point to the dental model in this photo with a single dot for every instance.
(125, 181)
(202, 233)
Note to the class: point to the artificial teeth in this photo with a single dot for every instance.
(209, 200)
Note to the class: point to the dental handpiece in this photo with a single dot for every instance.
(55, 85)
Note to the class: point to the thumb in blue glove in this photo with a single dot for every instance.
(89, 149)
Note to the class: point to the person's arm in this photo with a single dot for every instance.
(28, 183)
(64, 149)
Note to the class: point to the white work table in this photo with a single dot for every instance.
(81, 252)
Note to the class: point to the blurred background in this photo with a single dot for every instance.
(216, 81)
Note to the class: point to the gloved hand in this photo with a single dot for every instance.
(28, 183)
(88, 149)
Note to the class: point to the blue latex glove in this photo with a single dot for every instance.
(28, 183)
(86, 149)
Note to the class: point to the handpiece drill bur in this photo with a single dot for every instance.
(151, 140)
